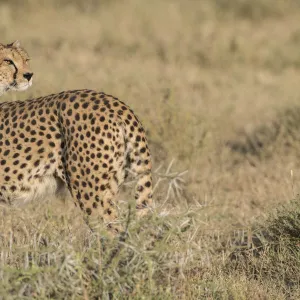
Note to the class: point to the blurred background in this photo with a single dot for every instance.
(215, 82)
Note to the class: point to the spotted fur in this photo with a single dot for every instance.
(84, 140)
(15, 73)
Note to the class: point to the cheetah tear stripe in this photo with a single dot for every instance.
(15, 72)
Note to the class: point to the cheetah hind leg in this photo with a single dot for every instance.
(98, 202)
(140, 166)
(143, 193)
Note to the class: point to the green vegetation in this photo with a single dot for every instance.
(216, 84)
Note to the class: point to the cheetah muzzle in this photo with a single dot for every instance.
(15, 73)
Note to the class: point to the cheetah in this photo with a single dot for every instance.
(81, 139)
(15, 73)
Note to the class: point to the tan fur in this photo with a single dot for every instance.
(15, 73)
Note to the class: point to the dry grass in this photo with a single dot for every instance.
(216, 84)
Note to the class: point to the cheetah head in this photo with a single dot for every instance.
(15, 74)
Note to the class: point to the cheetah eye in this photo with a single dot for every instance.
(9, 61)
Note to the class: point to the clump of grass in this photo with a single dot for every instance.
(40, 260)
(262, 140)
(271, 253)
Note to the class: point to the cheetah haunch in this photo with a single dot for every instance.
(83, 139)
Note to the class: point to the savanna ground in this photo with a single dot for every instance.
(216, 83)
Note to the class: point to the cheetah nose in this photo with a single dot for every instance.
(28, 76)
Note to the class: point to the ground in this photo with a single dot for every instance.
(216, 85)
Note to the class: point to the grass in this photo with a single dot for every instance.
(272, 251)
(216, 85)
(48, 255)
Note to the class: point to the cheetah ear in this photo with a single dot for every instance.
(1, 46)
(15, 44)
